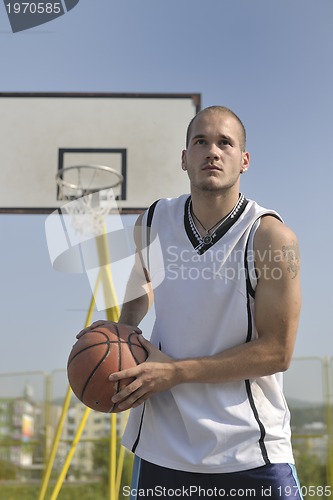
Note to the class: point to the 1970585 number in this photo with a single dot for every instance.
(34, 8)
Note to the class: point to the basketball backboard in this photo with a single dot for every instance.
(139, 135)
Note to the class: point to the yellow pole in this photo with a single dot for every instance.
(113, 458)
(47, 414)
(120, 467)
(70, 454)
(54, 448)
(121, 457)
(329, 423)
(112, 314)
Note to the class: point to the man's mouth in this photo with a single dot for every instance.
(211, 167)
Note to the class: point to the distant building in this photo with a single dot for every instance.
(97, 427)
(17, 429)
(25, 432)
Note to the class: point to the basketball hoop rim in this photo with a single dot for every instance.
(62, 183)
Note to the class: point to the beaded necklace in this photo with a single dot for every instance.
(208, 238)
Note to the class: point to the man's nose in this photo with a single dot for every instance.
(213, 152)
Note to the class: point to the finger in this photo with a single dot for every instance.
(144, 342)
(141, 400)
(126, 393)
(126, 405)
(152, 351)
(125, 400)
(82, 332)
(93, 325)
(148, 346)
(128, 373)
(99, 322)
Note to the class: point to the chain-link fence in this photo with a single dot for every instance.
(49, 440)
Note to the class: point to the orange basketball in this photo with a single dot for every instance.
(98, 353)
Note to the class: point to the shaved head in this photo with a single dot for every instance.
(222, 110)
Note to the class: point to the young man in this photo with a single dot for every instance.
(209, 417)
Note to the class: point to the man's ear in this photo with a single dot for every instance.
(184, 160)
(245, 162)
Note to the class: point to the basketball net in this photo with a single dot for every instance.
(88, 212)
(89, 192)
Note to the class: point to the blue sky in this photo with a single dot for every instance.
(270, 61)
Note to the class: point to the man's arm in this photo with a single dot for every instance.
(139, 293)
(277, 308)
(276, 311)
(139, 287)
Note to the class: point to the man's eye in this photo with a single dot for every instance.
(225, 142)
(200, 141)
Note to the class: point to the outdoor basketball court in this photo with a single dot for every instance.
(91, 163)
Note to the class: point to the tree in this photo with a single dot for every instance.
(7, 470)
(101, 453)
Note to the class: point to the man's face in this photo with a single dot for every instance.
(214, 158)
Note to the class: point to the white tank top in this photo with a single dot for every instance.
(204, 305)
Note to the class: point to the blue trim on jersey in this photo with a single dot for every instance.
(295, 476)
(135, 476)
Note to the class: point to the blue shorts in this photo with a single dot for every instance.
(272, 481)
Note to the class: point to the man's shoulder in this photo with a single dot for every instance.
(179, 200)
(255, 210)
(272, 232)
(165, 204)
(160, 208)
